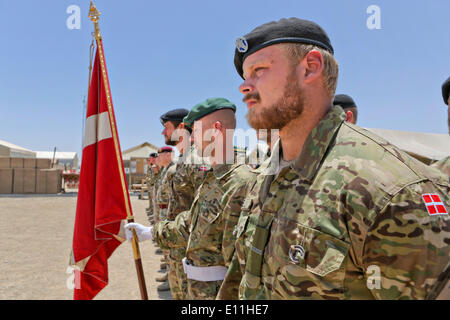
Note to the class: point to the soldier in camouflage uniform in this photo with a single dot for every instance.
(149, 180)
(162, 200)
(179, 193)
(186, 180)
(155, 185)
(163, 193)
(341, 214)
(215, 209)
(174, 235)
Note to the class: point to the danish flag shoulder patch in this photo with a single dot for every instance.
(434, 204)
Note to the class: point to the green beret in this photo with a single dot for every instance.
(291, 30)
(206, 107)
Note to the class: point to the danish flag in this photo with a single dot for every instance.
(434, 204)
(101, 203)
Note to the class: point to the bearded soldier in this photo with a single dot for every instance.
(338, 212)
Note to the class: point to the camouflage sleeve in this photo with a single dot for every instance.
(164, 190)
(406, 249)
(182, 192)
(148, 179)
(229, 290)
(171, 205)
(196, 174)
(173, 234)
(231, 213)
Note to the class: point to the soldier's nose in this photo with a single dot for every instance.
(245, 88)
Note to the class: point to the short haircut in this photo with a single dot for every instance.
(297, 51)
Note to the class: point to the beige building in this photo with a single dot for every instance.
(10, 150)
(135, 161)
(62, 160)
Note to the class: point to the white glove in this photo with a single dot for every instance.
(143, 233)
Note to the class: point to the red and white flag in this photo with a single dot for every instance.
(103, 199)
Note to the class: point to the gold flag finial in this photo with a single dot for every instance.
(94, 15)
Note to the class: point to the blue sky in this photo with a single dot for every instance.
(170, 54)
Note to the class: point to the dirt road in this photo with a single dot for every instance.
(36, 238)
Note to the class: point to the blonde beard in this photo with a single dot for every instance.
(288, 107)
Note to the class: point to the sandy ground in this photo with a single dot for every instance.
(36, 238)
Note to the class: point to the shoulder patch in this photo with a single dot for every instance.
(434, 204)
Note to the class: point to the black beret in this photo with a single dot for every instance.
(153, 155)
(344, 101)
(165, 149)
(286, 30)
(446, 90)
(174, 115)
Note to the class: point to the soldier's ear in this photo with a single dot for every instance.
(218, 125)
(349, 116)
(313, 64)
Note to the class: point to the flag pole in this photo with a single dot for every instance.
(94, 15)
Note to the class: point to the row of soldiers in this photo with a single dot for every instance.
(333, 212)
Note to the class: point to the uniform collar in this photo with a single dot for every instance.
(316, 144)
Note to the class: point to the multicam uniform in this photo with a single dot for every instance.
(347, 219)
(150, 183)
(155, 186)
(211, 221)
(163, 193)
(185, 182)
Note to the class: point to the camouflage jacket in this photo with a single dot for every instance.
(163, 193)
(215, 212)
(149, 179)
(345, 220)
(211, 219)
(175, 234)
(185, 182)
(155, 186)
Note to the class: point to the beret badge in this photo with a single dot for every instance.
(242, 44)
